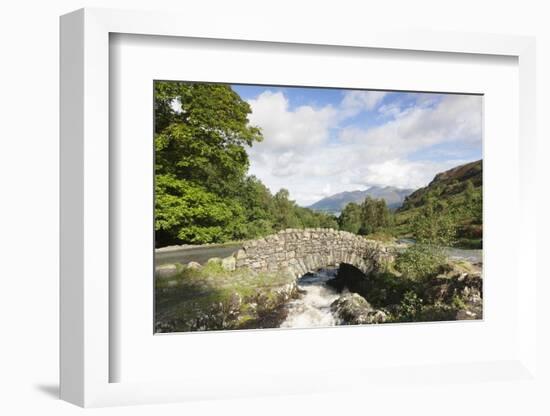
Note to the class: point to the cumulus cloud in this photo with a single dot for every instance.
(289, 129)
(403, 173)
(314, 153)
(356, 101)
(454, 118)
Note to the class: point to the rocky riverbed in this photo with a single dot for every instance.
(456, 293)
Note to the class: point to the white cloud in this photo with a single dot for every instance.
(327, 190)
(356, 101)
(393, 110)
(284, 129)
(402, 173)
(298, 152)
(455, 118)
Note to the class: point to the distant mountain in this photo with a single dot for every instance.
(448, 184)
(393, 196)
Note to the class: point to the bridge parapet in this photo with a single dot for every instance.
(300, 251)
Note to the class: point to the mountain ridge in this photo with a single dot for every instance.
(393, 196)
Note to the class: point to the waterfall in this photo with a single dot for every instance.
(312, 309)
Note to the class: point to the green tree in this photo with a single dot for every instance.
(204, 139)
(384, 216)
(201, 135)
(434, 227)
(258, 204)
(350, 218)
(473, 206)
(469, 193)
(375, 216)
(327, 221)
(306, 217)
(284, 211)
(202, 192)
(187, 212)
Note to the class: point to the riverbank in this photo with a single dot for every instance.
(210, 297)
(455, 292)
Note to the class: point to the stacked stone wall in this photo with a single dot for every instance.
(300, 251)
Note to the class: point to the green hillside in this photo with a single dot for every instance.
(457, 193)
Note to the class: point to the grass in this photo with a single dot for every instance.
(382, 236)
(462, 266)
(214, 298)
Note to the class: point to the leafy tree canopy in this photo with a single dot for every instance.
(350, 218)
(203, 193)
(201, 135)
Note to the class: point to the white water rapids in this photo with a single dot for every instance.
(312, 309)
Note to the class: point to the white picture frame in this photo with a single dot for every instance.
(86, 265)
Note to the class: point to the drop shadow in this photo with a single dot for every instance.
(51, 390)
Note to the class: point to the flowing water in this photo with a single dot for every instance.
(312, 309)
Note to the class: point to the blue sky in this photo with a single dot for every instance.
(316, 97)
(320, 141)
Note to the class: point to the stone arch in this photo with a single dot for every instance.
(299, 251)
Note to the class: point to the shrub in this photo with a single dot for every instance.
(409, 308)
(420, 261)
(437, 312)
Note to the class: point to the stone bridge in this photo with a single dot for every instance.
(300, 251)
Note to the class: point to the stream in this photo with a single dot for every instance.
(312, 308)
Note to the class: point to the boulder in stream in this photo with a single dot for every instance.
(353, 309)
